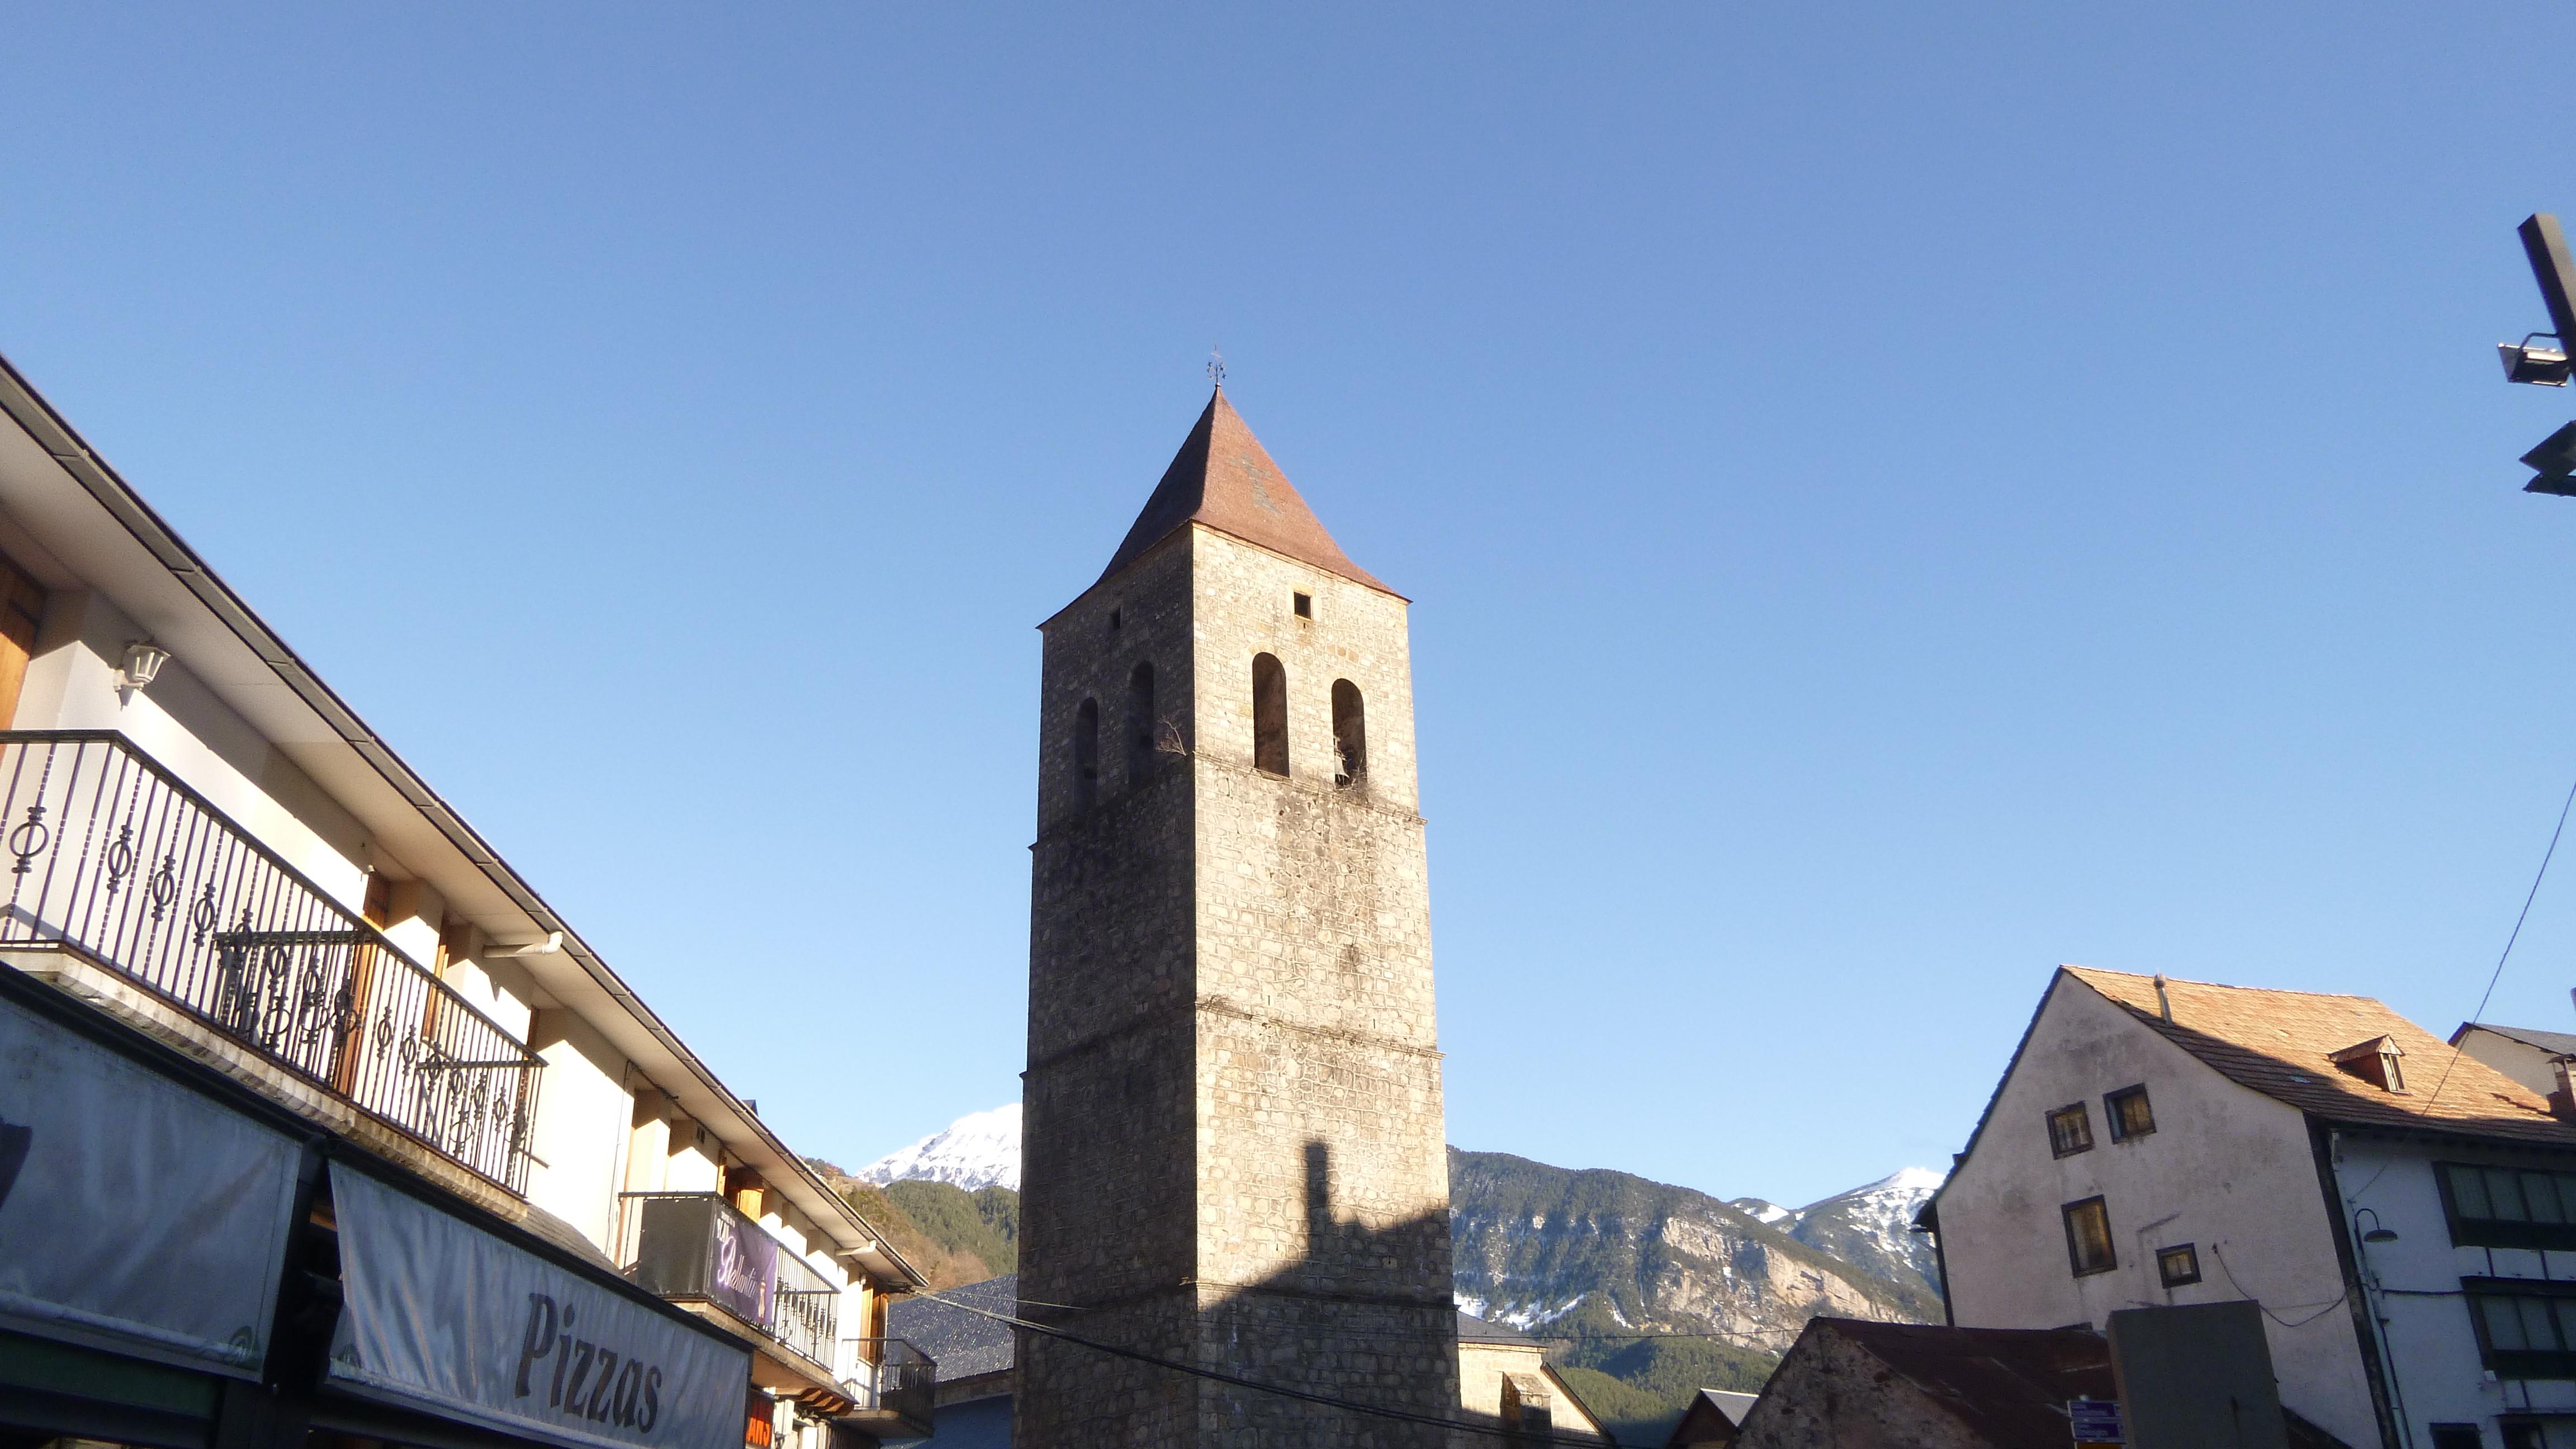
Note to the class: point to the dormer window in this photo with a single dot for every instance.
(2377, 1061)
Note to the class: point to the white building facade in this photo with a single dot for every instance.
(210, 852)
(2168, 1142)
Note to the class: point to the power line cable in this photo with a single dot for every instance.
(2507, 954)
(1381, 1411)
(2424, 1111)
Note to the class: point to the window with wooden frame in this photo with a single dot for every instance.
(2070, 1130)
(453, 940)
(2128, 1112)
(2088, 1237)
(2526, 1326)
(2178, 1265)
(2508, 1207)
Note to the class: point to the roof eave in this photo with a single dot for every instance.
(81, 465)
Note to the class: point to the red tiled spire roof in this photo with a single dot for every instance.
(1222, 478)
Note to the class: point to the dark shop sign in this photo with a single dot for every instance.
(438, 1314)
(136, 1214)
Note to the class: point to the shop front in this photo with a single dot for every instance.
(185, 1265)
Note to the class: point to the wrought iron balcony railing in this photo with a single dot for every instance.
(109, 854)
(890, 1376)
(696, 1245)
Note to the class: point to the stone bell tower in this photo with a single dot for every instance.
(1234, 1148)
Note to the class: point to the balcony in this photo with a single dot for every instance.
(696, 1249)
(114, 862)
(896, 1386)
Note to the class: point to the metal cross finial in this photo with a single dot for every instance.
(1216, 367)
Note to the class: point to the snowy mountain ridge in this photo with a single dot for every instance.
(978, 1150)
(1871, 1227)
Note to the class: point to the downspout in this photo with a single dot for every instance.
(2381, 1374)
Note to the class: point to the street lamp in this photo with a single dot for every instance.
(2553, 463)
(2523, 362)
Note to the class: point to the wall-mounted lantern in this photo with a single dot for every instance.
(143, 661)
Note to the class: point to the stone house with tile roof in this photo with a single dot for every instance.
(2392, 1204)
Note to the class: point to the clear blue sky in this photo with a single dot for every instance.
(1896, 497)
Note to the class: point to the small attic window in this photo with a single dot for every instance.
(1304, 604)
(2378, 1061)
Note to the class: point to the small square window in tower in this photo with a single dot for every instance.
(2178, 1265)
(2129, 1113)
(1304, 604)
(2070, 1130)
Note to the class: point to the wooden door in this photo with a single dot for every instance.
(22, 608)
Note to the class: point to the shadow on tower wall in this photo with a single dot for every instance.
(1364, 1315)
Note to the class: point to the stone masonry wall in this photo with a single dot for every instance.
(1235, 1145)
(1322, 1174)
(1108, 1097)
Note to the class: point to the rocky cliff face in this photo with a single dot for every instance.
(1597, 1254)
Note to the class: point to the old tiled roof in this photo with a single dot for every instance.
(1222, 478)
(2009, 1386)
(2280, 1043)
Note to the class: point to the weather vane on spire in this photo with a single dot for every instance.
(1216, 367)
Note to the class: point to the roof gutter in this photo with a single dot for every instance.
(55, 434)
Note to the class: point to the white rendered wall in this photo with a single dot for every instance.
(585, 1115)
(2227, 1170)
(71, 685)
(2415, 1290)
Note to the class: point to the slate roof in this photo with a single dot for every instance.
(1733, 1404)
(2280, 1043)
(1472, 1329)
(1223, 478)
(965, 1344)
(2556, 1043)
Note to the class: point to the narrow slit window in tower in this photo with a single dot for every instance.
(1086, 755)
(1140, 723)
(1350, 734)
(1269, 715)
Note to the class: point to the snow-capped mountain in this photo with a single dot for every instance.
(981, 1149)
(1869, 1227)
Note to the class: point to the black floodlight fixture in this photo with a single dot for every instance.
(2555, 463)
(2526, 361)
